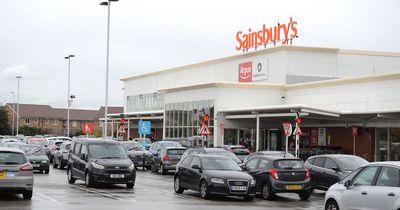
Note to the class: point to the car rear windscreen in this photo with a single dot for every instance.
(176, 151)
(288, 164)
(12, 158)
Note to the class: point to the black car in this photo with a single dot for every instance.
(167, 159)
(137, 153)
(60, 158)
(100, 161)
(37, 157)
(275, 174)
(282, 154)
(212, 151)
(213, 175)
(326, 170)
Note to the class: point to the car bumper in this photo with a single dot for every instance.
(106, 178)
(223, 189)
(40, 166)
(17, 184)
(282, 186)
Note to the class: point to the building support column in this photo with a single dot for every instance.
(163, 119)
(388, 144)
(238, 137)
(257, 132)
(112, 129)
(129, 129)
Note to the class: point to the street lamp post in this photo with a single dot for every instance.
(18, 78)
(108, 4)
(68, 98)
(13, 113)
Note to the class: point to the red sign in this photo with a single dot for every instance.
(245, 72)
(297, 130)
(281, 32)
(287, 128)
(87, 128)
(354, 130)
(204, 130)
(314, 137)
(121, 130)
(222, 128)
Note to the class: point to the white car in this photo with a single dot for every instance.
(374, 186)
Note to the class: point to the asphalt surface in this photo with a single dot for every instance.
(151, 191)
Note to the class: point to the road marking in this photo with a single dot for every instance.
(105, 194)
(46, 197)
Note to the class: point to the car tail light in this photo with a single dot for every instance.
(274, 174)
(307, 174)
(166, 158)
(65, 151)
(26, 167)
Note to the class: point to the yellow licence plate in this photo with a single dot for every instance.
(2, 174)
(293, 187)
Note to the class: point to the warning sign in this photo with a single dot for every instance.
(121, 129)
(204, 130)
(297, 131)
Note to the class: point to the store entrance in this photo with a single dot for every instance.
(387, 144)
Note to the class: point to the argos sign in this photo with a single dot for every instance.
(266, 35)
(247, 73)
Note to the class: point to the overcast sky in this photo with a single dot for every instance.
(151, 35)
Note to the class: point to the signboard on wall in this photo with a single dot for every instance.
(253, 71)
(321, 136)
(314, 137)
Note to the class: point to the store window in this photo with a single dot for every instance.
(387, 144)
(144, 102)
(182, 119)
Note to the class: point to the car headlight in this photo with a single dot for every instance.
(217, 181)
(97, 166)
(131, 167)
(253, 182)
(44, 161)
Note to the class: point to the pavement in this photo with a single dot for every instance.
(151, 191)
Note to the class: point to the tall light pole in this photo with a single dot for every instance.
(13, 113)
(108, 4)
(69, 95)
(18, 77)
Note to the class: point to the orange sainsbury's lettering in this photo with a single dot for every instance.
(281, 32)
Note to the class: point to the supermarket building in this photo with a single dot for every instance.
(249, 95)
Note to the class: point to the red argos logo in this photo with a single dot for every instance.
(245, 72)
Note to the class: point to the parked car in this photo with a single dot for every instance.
(38, 141)
(137, 153)
(239, 150)
(374, 186)
(16, 174)
(100, 161)
(13, 143)
(167, 159)
(60, 159)
(156, 147)
(326, 170)
(37, 157)
(213, 174)
(213, 151)
(185, 142)
(282, 154)
(146, 142)
(53, 147)
(275, 174)
(51, 141)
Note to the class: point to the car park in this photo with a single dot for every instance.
(137, 153)
(13, 143)
(275, 174)
(38, 141)
(282, 154)
(375, 186)
(213, 151)
(156, 147)
(239, 150)
(167, 159)
(16, 174)
(100, 161)
(146, 142)
(185, 142)
(213, 175)
(60, 159)
(326, 170)
(37, 157)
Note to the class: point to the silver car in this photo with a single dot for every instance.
(374, 186)
(16, 173)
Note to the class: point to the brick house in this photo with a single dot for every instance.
(51, 120)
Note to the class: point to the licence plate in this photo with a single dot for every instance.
(11, 174)
(293, 187)
(239, 188)
(36, 165)
(117, 176)
(2, 174)
(5, 174)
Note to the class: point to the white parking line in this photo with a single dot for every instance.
(105, 194)
(46, 197)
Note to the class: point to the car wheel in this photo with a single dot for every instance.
(148, 167)
(177, 185)
(331, 205)
(153, 168)
(266, 192)
(248, 197)
(54, 164)
(305, 195)
(46, 171)
(61, 165)
(130, 185)
(162, 169)
(71, 178)
(88, 180)
(27, 195)
(204, 190)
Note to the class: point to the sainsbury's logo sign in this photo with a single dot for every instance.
(266, 35)
(245, 72)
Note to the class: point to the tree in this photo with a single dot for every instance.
(4, 126)
(28, 131)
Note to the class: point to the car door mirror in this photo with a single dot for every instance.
(196, 167)
(84, 157)
(347, 184)
(336, 169)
